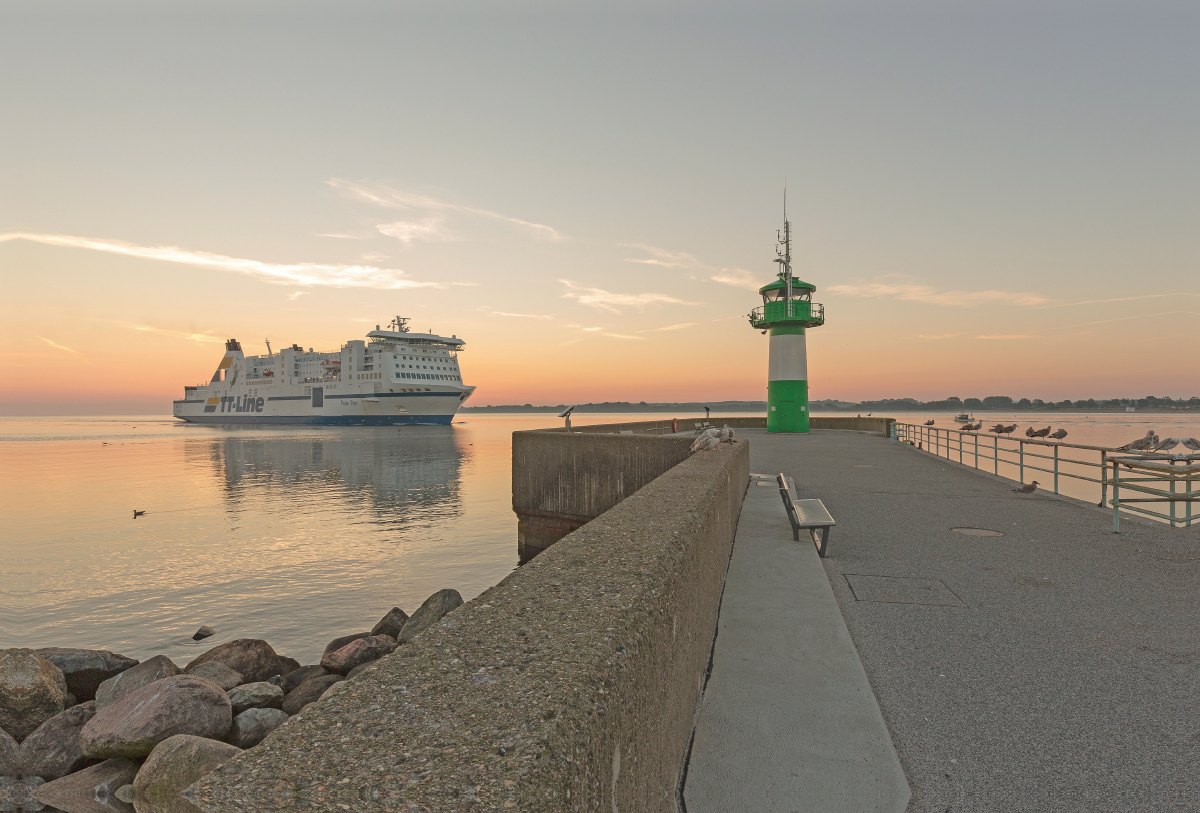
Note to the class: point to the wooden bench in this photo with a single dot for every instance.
(807, 515)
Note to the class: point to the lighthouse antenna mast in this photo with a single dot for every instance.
(784, 257)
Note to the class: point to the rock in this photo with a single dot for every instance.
(391, 624)
(54, 750)
(219, 674)
(10, 756)
(304, 673)
(276, 680)
(338, 643)
(255, 696)
(174, 765)
(254, 658)
(429, 613)
(204, 632)
(32, 690)
(287, 665)
(17, 794)
(70, 700)
(92, 790)
(146, 672)
(86, 669)
(133, 725)
(356, 653)
(125, 794)
(307, 692)
(358, 670)
(253, 725)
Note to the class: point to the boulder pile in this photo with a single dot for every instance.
(84, 730)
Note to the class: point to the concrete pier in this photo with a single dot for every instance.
(1051, 668)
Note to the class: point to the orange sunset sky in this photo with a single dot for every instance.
(1001, 200)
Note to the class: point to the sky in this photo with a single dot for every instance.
(990, 198)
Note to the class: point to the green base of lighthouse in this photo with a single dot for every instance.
(787, 406)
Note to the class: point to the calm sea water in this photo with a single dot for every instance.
(292, 534)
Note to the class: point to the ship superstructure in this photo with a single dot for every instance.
(394, 377)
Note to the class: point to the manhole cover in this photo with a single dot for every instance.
(902, 590)
(976, 532)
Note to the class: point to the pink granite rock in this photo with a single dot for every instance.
(54, 750)
(146, 672)
(32, 690)
(174, 765)
(252, 657)
(92, 790)
(356, 653)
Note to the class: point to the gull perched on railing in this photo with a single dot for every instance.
(1060, 434)
(1141, 444)
(1040, 433)
(1162, 446)
(1191, 443)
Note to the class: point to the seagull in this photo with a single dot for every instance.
(1027, 489)
(998, 429)
(726, 434)
(1060, 434)
(1008, 430)
(929, 423)
(1141, 444)
(1029, 433)
(1041, 433)
(1191, 443)
(705, 442)
(137, 513)
(1169, 443)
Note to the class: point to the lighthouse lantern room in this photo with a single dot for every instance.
(787, 311)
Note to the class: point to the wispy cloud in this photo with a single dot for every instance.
(680, 326)
(623, 336)
(606, 300)
(1007, 336)
(940, 336)
(203, 338)
(294, 296)
(431, 225)
(1119, 299)
(913, 292)
(58, 346)
(738, 278)
(519, 315)
(667, 259)
(313, 274)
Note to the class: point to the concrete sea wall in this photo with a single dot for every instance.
(571, 685)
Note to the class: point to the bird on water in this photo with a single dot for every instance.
(929, 423)
(137, 513)
(1027, 489)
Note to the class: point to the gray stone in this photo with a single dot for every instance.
(356, 653)
(92, 790)
(362, 667)
(252, 657)
(307, 692)
(253, 725)
(54, 750)
(286, 665)
(125, 793)
(10, 755)
(70, 700)
(391, 624)
(17, 794)
(204, 632)
(133, 725)
(429, 613)
(294, 679)
(338, 643)
(146, 672)
(86, 669)
(255, 696)
(32, 690)
(173, 766)
(219, 674)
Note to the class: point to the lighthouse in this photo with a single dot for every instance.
(786, 313)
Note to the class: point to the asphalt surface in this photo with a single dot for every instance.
(1053, 668)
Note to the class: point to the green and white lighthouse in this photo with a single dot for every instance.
(787, 311)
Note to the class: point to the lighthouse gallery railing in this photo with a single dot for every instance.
(1162, 478)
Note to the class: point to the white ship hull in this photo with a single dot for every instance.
(396, 378)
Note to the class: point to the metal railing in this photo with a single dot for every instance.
(1161, 478)
(799, 310)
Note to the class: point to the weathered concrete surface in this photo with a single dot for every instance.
(561, 481)
(571, 685)
(1053, 668)
(788, 722)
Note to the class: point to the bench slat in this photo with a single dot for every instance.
(812, 514)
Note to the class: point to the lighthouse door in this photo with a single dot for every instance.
(790, 417)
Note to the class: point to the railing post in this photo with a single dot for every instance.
(977, 452)
(1172, 494)
(996, 455)
(1021, 458)
(1055, 469)
(1103, 478)
(1116, 500)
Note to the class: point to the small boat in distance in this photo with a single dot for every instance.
(963, 417)
(395, 377)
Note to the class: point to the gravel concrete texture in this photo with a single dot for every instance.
(788, 722)
(571, 685)
(1063, 678)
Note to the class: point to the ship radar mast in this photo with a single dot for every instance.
(400, 324)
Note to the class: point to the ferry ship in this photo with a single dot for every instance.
(394, 377)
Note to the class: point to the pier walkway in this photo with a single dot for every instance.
(1051, 668)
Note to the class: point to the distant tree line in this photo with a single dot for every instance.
(1003, 403)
